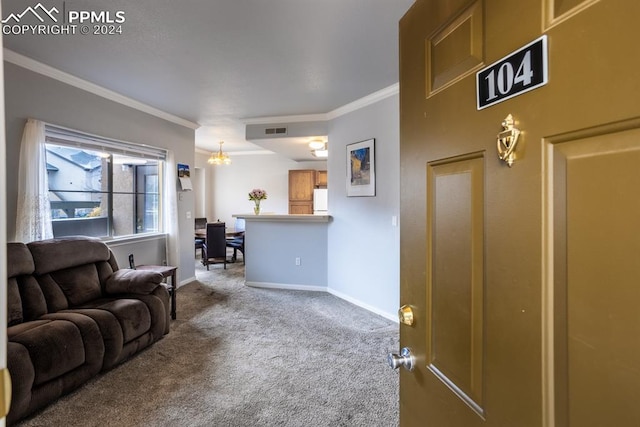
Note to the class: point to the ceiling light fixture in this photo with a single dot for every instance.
(219, 158)
(317, 145)
(321, 151)
(323, 154)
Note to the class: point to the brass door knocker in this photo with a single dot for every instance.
(507, 140)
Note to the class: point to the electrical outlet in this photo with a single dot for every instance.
(298, 260)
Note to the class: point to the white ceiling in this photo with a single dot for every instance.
(219, 62)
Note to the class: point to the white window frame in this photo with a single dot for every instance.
(61, 136)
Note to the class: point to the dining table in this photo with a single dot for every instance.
(230, 233)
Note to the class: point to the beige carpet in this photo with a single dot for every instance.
(239, 356)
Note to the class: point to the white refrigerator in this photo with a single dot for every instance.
(320, 196)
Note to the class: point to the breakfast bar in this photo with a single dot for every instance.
(286, 251)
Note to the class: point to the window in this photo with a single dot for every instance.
(102, 188)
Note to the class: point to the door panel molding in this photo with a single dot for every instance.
(558, 11)
(455, 283)
(581, 294)
(456, 50)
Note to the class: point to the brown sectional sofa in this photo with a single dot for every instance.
(72, 313)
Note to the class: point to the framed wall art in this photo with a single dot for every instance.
(361, 169)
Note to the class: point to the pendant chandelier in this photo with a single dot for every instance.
(219, 158)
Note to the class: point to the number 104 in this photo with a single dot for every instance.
(504, 80)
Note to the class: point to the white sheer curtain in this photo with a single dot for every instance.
(171, 211)
(33, 221)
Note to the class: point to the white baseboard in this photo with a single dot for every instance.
(186, 281)
(390, 316)
(293, 287)
(287, 286)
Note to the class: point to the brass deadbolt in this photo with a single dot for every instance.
(405, 314)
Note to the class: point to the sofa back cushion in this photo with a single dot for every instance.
(79, 284)
(72, 270)
(19, 263)
(14, 302)
(34, 304)
(19, 260)
(62, 253)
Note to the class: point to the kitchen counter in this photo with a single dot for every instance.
(286, 251)
(284, 217)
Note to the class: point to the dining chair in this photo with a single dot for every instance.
(237, 241)
(214, 248)
(200, 224)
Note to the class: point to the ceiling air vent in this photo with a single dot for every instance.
(275, 131)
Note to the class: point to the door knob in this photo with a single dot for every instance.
(405, 358)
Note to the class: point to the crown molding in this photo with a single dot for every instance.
(363, 102)
(46, 70)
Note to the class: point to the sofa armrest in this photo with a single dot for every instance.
(126, 281)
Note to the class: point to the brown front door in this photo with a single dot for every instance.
(524, 281)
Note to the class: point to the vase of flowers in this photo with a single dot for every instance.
(256, 195)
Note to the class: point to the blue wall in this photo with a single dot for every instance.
(364, 243)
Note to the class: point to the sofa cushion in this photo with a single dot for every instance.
(66, 252)
(111, 333)
(33, 303)
(127, 281)
(16, 330)
(19, 260)
(14, 302)
(133, 315)
(24, 296)
(26, 356)
(22, 377)
(55, 347)
(105, 270)
(79, 284)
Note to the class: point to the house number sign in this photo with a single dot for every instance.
(519, 72)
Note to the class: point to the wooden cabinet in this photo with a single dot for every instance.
(301, 185)
(321, 179)
(297, 208)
